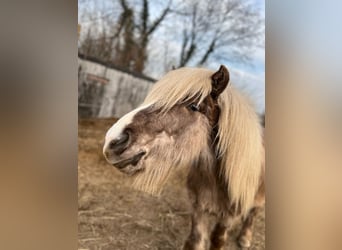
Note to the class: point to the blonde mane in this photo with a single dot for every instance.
(178, 86)
(240, 145)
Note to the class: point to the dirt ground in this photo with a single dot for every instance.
(113, 216)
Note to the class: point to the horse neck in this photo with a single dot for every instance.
(203, 171)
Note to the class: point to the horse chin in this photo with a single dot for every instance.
(131, 165)
(132, 170)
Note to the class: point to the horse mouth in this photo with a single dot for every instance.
(130, 161)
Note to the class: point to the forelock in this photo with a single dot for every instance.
(179, 86)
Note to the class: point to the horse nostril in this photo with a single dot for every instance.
(119, 144)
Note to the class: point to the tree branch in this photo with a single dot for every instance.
(144, 16)
(208, 52)
(156, 23)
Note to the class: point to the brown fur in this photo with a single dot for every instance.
(194, 120)
(239, 136)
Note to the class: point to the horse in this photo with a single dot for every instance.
(194, 119)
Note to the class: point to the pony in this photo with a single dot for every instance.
(194, 119)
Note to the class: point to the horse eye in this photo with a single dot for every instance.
(194, 107)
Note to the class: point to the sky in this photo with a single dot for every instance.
(250, 78)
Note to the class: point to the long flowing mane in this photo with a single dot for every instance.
(240, 144)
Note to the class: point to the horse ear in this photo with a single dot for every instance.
(220, 80)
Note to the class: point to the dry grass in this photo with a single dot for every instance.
(114, 216)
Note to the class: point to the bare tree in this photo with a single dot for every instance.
(130, 35)
(192, 32)
(217, 29)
